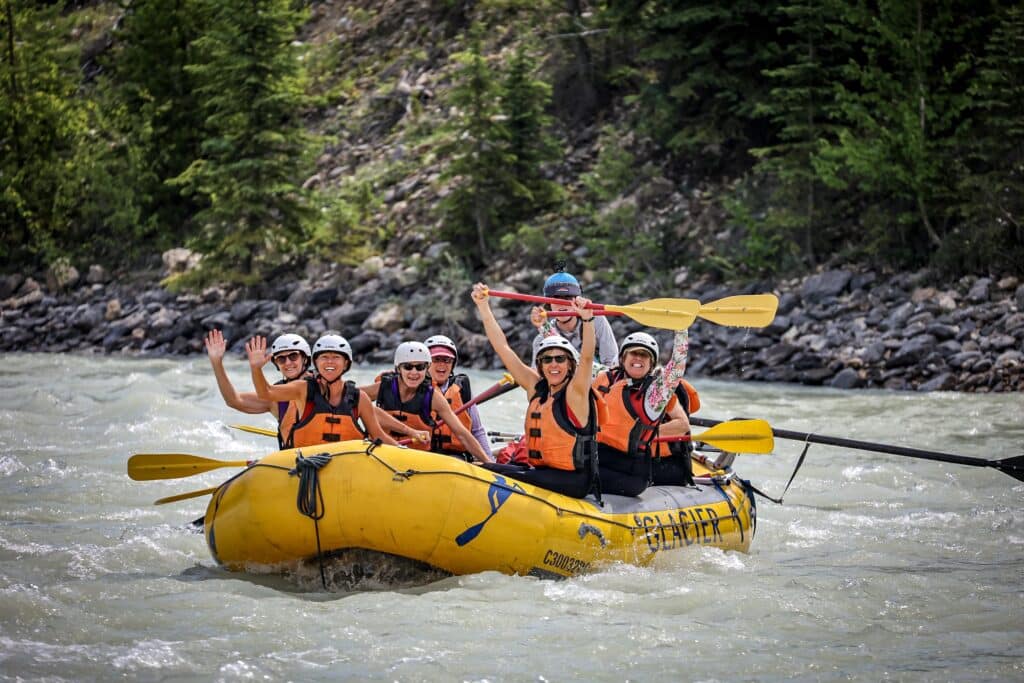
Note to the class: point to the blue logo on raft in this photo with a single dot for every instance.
(497, 493)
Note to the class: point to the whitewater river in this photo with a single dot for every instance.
(876, 568)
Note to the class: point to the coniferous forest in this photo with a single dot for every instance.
(756, 139)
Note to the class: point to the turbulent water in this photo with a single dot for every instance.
(876, 568)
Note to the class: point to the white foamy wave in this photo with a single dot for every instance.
(27, 548)
(9, 465)
(578, 592)
(858, 472)
(799, 535)
(149, 654)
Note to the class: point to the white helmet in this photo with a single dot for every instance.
(443, 342)
(411, 352)
(335, 343)
(556, 342)
(641, 340)
(289, 342)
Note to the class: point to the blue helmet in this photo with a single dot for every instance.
(561, 284)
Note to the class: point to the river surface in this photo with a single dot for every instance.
(877, 567)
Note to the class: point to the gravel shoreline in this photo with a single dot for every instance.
(841, 328)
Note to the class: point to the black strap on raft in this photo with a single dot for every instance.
(310, 500)
(799, 462)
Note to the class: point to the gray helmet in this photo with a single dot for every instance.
(556, 342)
(640, 340)
(439, 340)
(290, 342)
(335, 343)
(411, 352)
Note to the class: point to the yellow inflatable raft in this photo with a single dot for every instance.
(302, 504)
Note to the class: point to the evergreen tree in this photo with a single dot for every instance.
(898, 107)
(992, 186)
(799, 219)
(698, 70)
(525, 98)
(148, 71)
(249, 89)
(481, 164)
(40, 125)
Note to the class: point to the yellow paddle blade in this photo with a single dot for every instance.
(668, 314)
(184, 496)
(149, 466)
(740, 436)
(254, 430)
(750, 310)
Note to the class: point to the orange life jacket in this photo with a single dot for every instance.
(689, 397)
(322, 422)
(288, 413)
(457, 394)
(627, 427)
(415, 412)
(552, 440)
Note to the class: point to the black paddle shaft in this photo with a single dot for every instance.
(1012, 466)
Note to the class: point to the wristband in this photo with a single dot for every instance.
(588, 320)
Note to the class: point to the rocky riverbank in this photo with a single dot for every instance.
(841, 328)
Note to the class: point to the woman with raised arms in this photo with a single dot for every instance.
(561, 420)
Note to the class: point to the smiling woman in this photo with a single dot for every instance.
(332, 410)
(561, 420)
(291, 355)
(408, 396)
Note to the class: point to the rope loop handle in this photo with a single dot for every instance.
(310, 500)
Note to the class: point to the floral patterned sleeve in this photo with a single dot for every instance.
(547, 329)
(664, 385)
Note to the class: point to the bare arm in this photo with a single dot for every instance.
(367, 411)
(578, 394)
(469, 442)
(524, 375)
(371, 390)
(677, 423)
(295, 390)
(247, 402)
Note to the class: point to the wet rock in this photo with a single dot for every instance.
(829, 283)
(61, 275)
(847, 378)
(365, 341)
(942, 382)
(979, 292)
(388, 317)
(942, 331)
(97, 274)
(912, 351)
(9, 284)
(179, 260)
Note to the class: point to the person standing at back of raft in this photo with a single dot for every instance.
(333, 410)
(561, 420)
(455, 388)
(408, 395)
(642, 404)
(562, 285)
(292, 356)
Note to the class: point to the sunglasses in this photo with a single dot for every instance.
(292, 357)
(443, 360)
(411, 367)
(553, 358)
